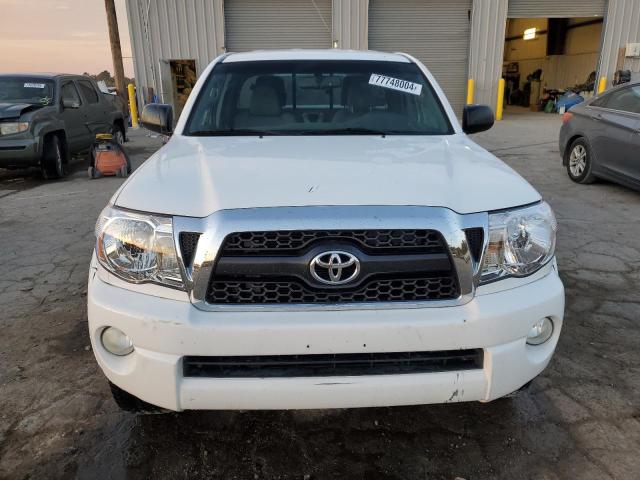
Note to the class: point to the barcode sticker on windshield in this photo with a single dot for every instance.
(395, 84)
(34, 85)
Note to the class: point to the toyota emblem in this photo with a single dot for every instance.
(335, 267)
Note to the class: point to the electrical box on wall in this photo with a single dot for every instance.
(633, 50)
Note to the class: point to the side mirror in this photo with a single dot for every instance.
(70, 104)
(158, 117)
(476, 118)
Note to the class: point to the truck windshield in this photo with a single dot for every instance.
(26, 90)
(317, 98)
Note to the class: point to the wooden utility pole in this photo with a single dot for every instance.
(116, 52)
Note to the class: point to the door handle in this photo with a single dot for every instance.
(597, 117)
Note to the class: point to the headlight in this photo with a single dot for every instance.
(521, 242)
(138, 248)
(9, 128)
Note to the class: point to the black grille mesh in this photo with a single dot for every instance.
(188, 243)
(475, 239)
(286, 288)
(287, 242)
(326, 365)
(292, 292)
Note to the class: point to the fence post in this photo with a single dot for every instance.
(602, 85)
(133, 107)
(499, 106)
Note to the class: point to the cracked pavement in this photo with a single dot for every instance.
(580, 419)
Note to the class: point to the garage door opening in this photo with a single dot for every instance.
(183, 79)
(550, 64)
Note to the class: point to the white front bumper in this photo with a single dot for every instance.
(165, 330)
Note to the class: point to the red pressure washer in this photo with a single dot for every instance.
(108, 158)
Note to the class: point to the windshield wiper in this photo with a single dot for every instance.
(344, 131)
(231, 132)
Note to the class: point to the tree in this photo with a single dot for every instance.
(105, 76)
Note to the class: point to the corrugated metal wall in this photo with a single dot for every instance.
(488, 23)
(436, 31)
(556, 8)
(622, 26)
(194, 29)
(263, 24)
(351, 23)
(172, 30)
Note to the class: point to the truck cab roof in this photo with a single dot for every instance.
(315, 54)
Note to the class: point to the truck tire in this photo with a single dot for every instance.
(118, 134)
(131, 403)
(53, 158)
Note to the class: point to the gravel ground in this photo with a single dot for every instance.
(580, 419)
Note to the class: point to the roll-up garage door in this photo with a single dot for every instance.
(555, 8)
(265, 24)
(437, 32)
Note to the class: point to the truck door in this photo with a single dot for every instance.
(97, 117)
(73, 117)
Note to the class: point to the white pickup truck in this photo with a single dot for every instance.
(320, 232)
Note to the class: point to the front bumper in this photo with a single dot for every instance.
(164, 330)
(20, 152)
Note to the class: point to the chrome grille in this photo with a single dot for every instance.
(263, 267)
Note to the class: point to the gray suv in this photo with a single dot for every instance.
(47, 118)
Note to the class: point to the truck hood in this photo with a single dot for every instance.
(15, 110)
(196, 176)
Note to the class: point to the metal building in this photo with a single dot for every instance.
(174, 40)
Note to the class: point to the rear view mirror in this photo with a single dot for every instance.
(158, 117)
(476, 118)
(70, 103)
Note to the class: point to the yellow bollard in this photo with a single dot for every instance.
(602, 85)
(133, 108)
(500, 99)
(470, 91)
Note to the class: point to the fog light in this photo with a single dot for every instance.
(540, 332)
(116, 342)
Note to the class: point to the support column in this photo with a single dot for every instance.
(488, 23)
(622, 26)
(350, 24)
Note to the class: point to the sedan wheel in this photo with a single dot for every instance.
(579, 163)
(578, 160)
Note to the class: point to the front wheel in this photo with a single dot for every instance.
(118, 135)
(53, 158)
(580, 163)
(131, 403)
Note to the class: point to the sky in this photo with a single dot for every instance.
(69, 36)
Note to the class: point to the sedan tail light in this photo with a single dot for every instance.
(566, 116)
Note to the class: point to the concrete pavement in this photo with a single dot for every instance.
(580, 419)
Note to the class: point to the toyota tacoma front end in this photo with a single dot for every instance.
(320, 232)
